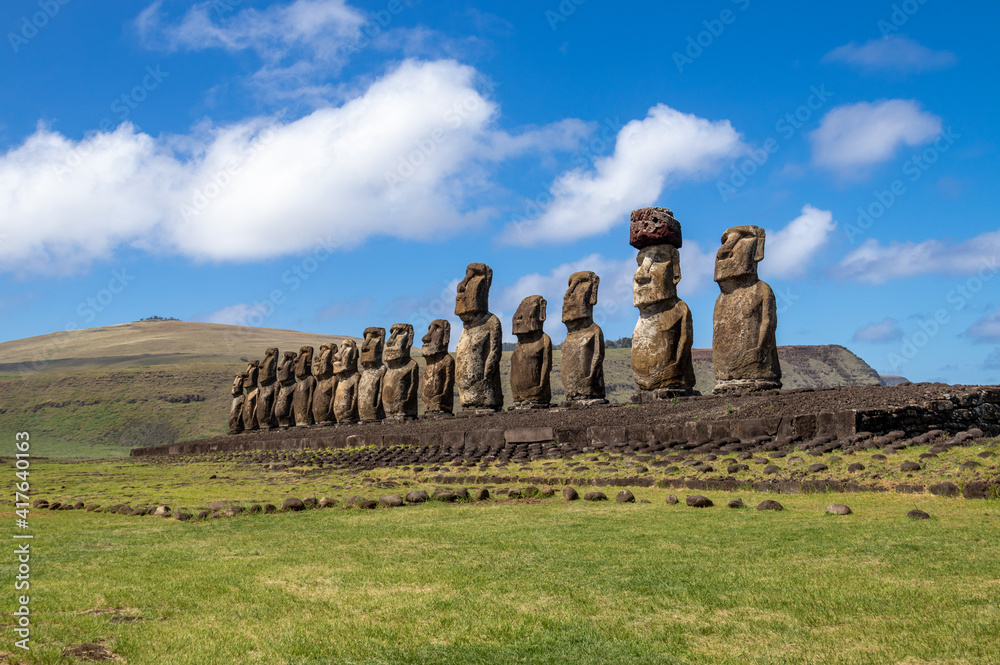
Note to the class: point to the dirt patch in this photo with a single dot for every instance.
(91, 651)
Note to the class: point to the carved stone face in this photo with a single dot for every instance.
(473, 297)
(657, 276)
(303, 362)
(437, 338)
(400, 341)
(371, 348)
(238, 383)
(323, 366)
(530, 315)
(253, 370)
(581, 296)
(346, 360)
(742, 248)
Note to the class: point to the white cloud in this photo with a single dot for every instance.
(986, 329)
(885, 331)
(240, 314)
(892, 52)
(875, 263)
(791, 250)
(405, 158)
(860, 135)
(665, 147)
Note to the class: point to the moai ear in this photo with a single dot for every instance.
(594, 283)
(541, 309)
(677, 270)
(758, 255)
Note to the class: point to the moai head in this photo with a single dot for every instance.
(437, 338)
(530, 316)
(252, 373)
(286, 368)
(303, 362)
(371, 348)
(238, 383)
(269, 366)
(656, 279)
(581, 296)
(400, 341)
(742, 248)
(473, 297)
(346, 360)
(323, 366)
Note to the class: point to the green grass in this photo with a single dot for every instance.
(539, 581)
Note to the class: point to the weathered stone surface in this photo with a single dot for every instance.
(531, 362)
(909, 466)
(661, 341)
(672, 499)
(327, 502)
(654, 226)
(735, 503)
(569, 494)
(286, 390)
(437, 382)
(481, 494)
(182, 516)
(945, 489)
(838, 509)
(218, 505)
(417, 496)
(233, 511)
(252, 396)
(976, 489)
(769, 504)
(625, 496)
(305, 386)
(310, 502)
(857, 466)
(326, 385)
(345, 369)
(595, 496)
(391, 500)
(401, 383)
(447, 496)
(744, 350)
(268, 389)
(477, 366)
(918, 515)
(699, 501)
(270, 509)
(816, 468)
(291, 503)
(370, 384)
(236, 408)
(163, 511)
(582, 364)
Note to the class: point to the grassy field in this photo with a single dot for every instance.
(498, 581)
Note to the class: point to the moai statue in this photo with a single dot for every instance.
(477, 369)
(286, 379)
(268, 390)
(236, 410)
(305, 386)
(661, 343)
(437, 384)
(345, 366)
(744, 350)
(401, 382)
(326, 385)
(370, 385)
(253, 396)
(582, 366)
(531, 363)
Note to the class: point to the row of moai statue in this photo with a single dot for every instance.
(299, 390)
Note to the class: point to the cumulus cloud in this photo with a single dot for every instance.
(665, 147)
(855, 136)
(885, 331)
(404, 159)
(987, 329)
(240, 314)
(892, 52)
(876, 263)
(791, 250)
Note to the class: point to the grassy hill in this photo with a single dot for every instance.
(101, 391)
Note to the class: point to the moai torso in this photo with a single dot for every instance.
(252, 398)
(437, 382)
(661, 349)
(531, 362)
(267, 389)
(236, 408)
(373, 370)
(582, 365)
(305, 386)
(326, 385)
(477, 367)
(345, 367)
(286, 380)
(401, 382)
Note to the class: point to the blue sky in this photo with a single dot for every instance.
(325, 165)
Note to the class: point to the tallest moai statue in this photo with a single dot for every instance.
(477, 370)
(661, 343)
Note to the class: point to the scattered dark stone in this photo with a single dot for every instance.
(254, 509)
(857, 466)
(417, 496)
(736, 503)
(569, 494)
(704, 468)
(270, 509)
(736, 468)
(816, 468)
(310, 502)
(838, 509)
(55, 505)
(40, 503)
(945, 489)
(327, 502)
(368, 504)
(976, 489)
(834, 458)
(672, 499)
(910, 466)
(986, 454)
(291, 503)
(595, 496)
(391, 500)
(971, 465)
(181, 516)
(772, 468)
(514, 494)
(879, 458)
(202, 515)
(625, 497)
(218, 505)
(212, 477)
(699, 501)
(760, 460)
(918, 515)
(769, 504)
(481, 494)
(547, 492)
(89, 651)
(444, 495)
(233, 511)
